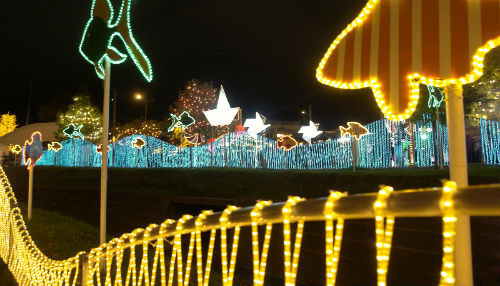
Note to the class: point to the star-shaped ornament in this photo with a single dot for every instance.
(256, 125)
(223, 114)
(309, 131)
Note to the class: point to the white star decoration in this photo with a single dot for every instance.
(256, 125)
(223, 114)
(309, 132)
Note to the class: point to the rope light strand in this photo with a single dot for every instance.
(449, 232)
(259, 262)
(333, 243)
(384, 226)
(228, 272)
(291, 264)
(203, 278)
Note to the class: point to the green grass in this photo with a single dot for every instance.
(57, 236)
(244, 183)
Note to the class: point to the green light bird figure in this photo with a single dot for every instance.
(102, 32)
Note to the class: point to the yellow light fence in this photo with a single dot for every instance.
(27, 263)
(175, 251)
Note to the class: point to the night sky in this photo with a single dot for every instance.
(265, 53)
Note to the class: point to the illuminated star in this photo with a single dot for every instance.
(223, 114)
(309, 131)
(256, 125)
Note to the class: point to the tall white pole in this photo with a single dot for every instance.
(30, 192)
(458, 173)
(104, 165)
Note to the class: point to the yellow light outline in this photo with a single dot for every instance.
(413, 79)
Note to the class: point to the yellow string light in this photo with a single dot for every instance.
(291, 264)
(203, 278)
(413, 80)
(259, 262)
(449, 224)
(384, 226)
(333, 242)
(228, 271)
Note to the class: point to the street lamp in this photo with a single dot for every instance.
(141, 97)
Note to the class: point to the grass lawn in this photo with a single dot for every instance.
(244, 183)
(57, 236)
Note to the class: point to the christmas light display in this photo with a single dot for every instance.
(223, 114)
(490, 141)
(183, 121)
(99, 148)
(33, 150)
(256, 125)
(99, 39)
(7, 124)
(449, 231)
(384, 226)
(309, 131)
(16, 149)
(436, 97)
(56, 146)
(138, 143)
(286, 143)
(354, 130)
(83, 119)
(72, 131)
(385, 147)
(367, 52)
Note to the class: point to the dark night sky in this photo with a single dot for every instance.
(264, 52)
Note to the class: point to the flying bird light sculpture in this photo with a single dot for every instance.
(223, 114)
(393, 46)
(309, 131)
(256, 125)
(106, 28)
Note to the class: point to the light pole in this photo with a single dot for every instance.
(140, 97)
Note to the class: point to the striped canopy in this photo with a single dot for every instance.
(394, 45)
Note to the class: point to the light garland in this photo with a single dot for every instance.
(102, 13)
(414, 80)
(228, 270)
(449, 232)
(384, 226)
(332, 242)
(291, 258)
(259, 261)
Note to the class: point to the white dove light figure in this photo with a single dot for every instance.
(256, 125)
(309, 131)
(223, 114)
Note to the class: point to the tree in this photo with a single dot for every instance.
(150, 128)
(195, 98)
(482, 97)
(81, 112)
(7, 124)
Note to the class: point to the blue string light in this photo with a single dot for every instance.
(387, 145)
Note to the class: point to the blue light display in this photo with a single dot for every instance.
(389, 144)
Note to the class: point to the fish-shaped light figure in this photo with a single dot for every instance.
(99, 148)
(286, 142)
(72, 131)
(222, 115)
(355, 130)
(309, 131)
(33, 150)
(194, 139)
(16, 149)
(56, 146)
(107, 27)
(256, 125)
(184, 120)
(138, 143)
(393, 46)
